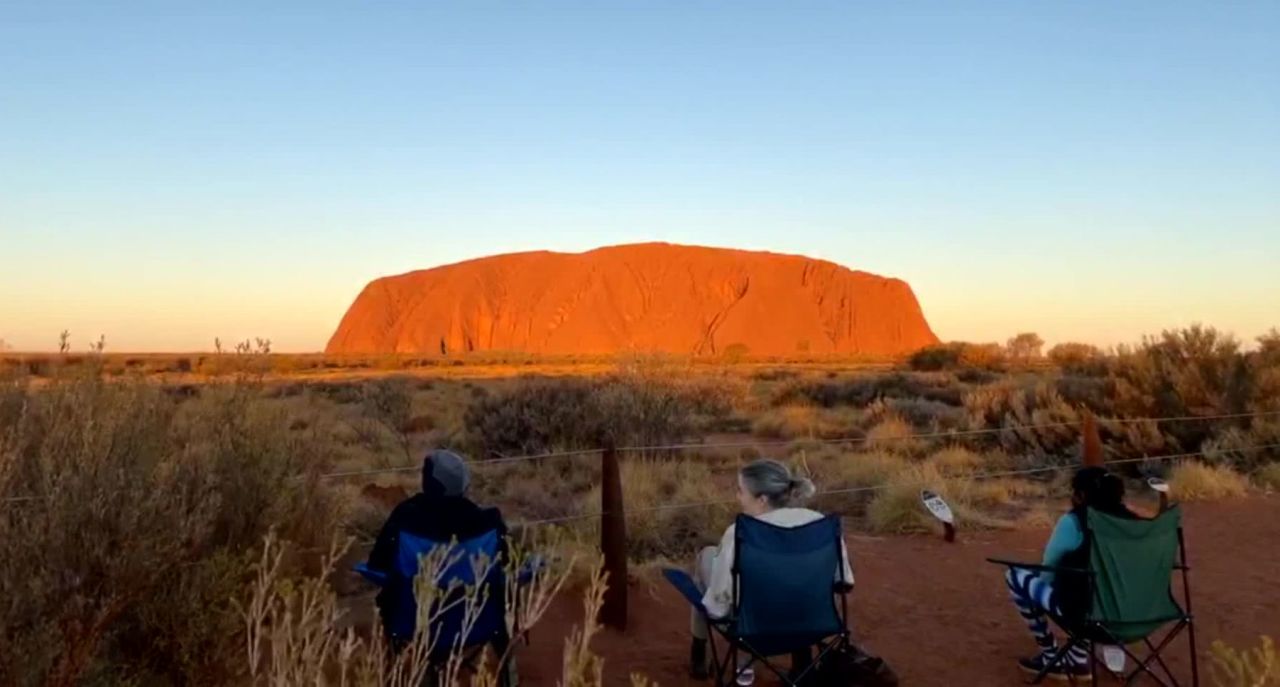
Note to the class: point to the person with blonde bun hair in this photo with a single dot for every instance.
(768, 491)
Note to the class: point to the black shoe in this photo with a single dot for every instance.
(698, 660)
(1066, 669)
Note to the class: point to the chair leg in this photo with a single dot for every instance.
(1093, 664)
(1195, 660)
(1144, 665)
(1160, 661)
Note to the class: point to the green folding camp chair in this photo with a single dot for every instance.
(1130, 587)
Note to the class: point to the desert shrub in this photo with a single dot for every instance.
(974, 375)
(1024, 347)
(985, 356)
(133, 498)
(929, 416)
(1078, 358)
(936, 357)
(1093, 393)
(1245, 449)
(1196, 481)
(1041, 428)
(1192, 371)
(860, 390)
(1268, 476)
(1255, 667)
(574, 413)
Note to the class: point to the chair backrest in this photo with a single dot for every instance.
(785, 577)
(460, 569)
(1133, 563)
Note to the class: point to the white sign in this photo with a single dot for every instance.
(937, 507)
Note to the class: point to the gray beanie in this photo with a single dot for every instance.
(445, 473)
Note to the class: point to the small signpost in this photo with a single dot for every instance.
(1161, 487)
(940, 510)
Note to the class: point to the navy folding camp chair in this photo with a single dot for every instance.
(400, 611)
(785, 584)
(1130, 593)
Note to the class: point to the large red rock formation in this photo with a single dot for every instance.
(646, 297)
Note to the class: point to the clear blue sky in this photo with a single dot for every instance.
(172, 172)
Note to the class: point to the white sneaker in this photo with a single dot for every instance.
(746, 677)
(1114, 658)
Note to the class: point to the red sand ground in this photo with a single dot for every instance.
(646, 297)
(939, 613)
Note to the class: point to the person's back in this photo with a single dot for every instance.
(1041, 593)
(441, 513)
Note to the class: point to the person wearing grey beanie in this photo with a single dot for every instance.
(440, 512)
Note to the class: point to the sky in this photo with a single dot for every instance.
(173, 172)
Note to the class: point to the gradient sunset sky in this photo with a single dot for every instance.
(172, 172)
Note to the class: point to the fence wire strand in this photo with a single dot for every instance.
(922, 483)
(505, 460)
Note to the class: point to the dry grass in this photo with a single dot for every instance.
(656, 529)
(954, 460)
(894, 434)
(1255, 667)
(804, 421)
(856, 470)
(982, 504)
(1194, 481)
(896, 509)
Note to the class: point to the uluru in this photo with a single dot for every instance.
(643, 297)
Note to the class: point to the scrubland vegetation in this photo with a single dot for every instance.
(136, 506)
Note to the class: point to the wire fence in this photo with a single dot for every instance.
(873, 488)
(849, 440)
(501, 460)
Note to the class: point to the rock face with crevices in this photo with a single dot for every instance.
(643, 297)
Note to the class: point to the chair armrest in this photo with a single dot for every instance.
(1040, 568)
(375, 576)
(686, 586)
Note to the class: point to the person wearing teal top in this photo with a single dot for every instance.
(1039, 594)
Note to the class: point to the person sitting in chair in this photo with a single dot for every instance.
(1040, 593)
(767, 490)
(440, 512)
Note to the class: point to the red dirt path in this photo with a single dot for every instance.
(939, 613)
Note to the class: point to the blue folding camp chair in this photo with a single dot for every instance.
(400, 608)
(785, 586)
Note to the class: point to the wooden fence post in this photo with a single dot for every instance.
(1091, 443)
(613, 542)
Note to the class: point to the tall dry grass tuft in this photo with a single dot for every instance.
(894, 434)
(1255, 667)
(653, 491)
(1196, 481)
(293, 634)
